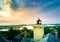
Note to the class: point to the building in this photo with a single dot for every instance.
(38, 30)
(48, 38)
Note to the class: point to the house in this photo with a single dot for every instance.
(48, 38)
(27, 40)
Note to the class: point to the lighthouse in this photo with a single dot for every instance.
(38, 30)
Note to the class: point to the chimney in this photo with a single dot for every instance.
(25, 34)
(56, 35)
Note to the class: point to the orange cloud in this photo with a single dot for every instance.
(19, 16)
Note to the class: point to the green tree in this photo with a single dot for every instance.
(58, 29)
(49, 29)
(11, 33)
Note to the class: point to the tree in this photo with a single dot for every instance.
(49, 29)
(12, 33)
(58, 29)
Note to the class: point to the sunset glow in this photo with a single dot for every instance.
(5, 14)
(27, 12)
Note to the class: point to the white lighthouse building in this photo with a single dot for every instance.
(38, 30)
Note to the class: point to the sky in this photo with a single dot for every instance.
(28, 11)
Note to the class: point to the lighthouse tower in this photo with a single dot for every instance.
(38, 30)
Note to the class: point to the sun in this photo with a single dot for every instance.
(5, 13)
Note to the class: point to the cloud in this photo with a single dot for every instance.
(27, 12)
(23, 16)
